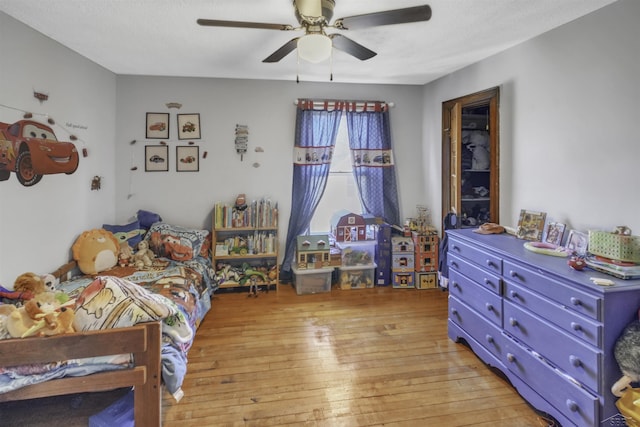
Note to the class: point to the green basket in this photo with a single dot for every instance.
(621, 247)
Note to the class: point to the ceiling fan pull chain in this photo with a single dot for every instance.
(331, 66)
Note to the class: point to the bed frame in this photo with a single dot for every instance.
(143, 340)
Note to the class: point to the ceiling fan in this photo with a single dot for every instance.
(314, 16)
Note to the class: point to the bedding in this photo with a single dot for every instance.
(175, 292)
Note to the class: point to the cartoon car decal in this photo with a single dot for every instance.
(30, 149)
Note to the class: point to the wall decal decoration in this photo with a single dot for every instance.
(187, 158)
(189, 126)
(156, 158)
(242, 139)
(31, 150)
(157, 126)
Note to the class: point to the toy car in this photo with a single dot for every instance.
(156, 159)
(188, 127)
(188, 159)
(31, 150)
(158, 126)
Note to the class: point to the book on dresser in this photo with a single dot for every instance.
(548, 328)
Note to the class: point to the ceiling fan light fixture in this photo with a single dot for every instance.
(314, 47)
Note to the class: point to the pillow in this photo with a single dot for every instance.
(147, 219)
(131, 233)
(175, 242)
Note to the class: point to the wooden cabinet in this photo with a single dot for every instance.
(470, 158)
(245, 244)
(549, 329)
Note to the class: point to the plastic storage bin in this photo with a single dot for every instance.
(358, 277)
(312, 281)
(362, 253)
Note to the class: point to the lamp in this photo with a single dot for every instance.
(314, 47)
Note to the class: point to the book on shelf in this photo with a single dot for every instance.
(261, 213)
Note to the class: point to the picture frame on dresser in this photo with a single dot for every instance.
(156, 158)
(189, 126)
(187, 158)
(531, 225)
(157, 126)
(554, 233)
(577, 242)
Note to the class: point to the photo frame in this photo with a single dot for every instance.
(554, 233)
(157, 126)
(577, 242)
(531, 225)
(156, 158)
(189, 126)
(187, 159)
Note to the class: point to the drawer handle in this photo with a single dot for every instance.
(454, 312)
(514, 295)
(576, 301)
(573, 406)
(454, 264)
(489, 339)
(488, 283)
(575, 361)
(490, 263)
(455, 248)
(576, 326)
(513, 321)
(511, 357)
(457, 285)
(514, 274)
(489, 306)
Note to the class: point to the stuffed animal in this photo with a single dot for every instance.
(627, 353)
(96, 250)
(143, 256)
(39, 319)
(30, 284)
(125, 256)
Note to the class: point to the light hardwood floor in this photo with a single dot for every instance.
(372, 357)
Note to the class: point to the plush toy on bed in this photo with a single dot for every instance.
(95, 251)
(31, 284)
(40, 319)
(143, 257)
(125, 256)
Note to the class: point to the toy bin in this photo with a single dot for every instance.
(357, 277)
(312, 281)
(361, 253)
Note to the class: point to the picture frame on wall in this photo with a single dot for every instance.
(531, 225)
(156, 158)
(554, 233)
(157, 126)
(577, 242)
(189, 126)
(187, 159)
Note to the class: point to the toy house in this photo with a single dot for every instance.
(313, 251)
(349, 228)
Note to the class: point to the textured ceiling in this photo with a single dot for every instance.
(161, 37)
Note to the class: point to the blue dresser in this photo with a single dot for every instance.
(548, 328)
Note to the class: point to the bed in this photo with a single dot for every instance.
(136, 325)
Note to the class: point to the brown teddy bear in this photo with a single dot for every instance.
(39, 319)
(143, 256)
(30, 284)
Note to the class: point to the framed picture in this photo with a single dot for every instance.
(577, 242)
(531, 225)
(157, 126)
(156, 158)
(187, 158)
(554, 233)
(188, 126)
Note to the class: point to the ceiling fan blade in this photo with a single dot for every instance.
(286, 49)
(389, 17)
(347, 45)
(243, 24)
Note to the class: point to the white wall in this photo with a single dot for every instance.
(39, 224)
(267, 108)
(568, 121)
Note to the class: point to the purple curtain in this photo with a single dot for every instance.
(373, 166)
(315, 137)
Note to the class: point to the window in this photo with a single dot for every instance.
(341, 193)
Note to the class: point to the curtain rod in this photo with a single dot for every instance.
(321, 102)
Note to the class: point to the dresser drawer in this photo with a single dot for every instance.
(577, 404)
(488, 335)
(581, 302)
(484, 302)
(579, 326)
(578, 360)
(481, 276)
(489, 261)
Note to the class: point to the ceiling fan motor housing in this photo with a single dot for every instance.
(305, 10)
